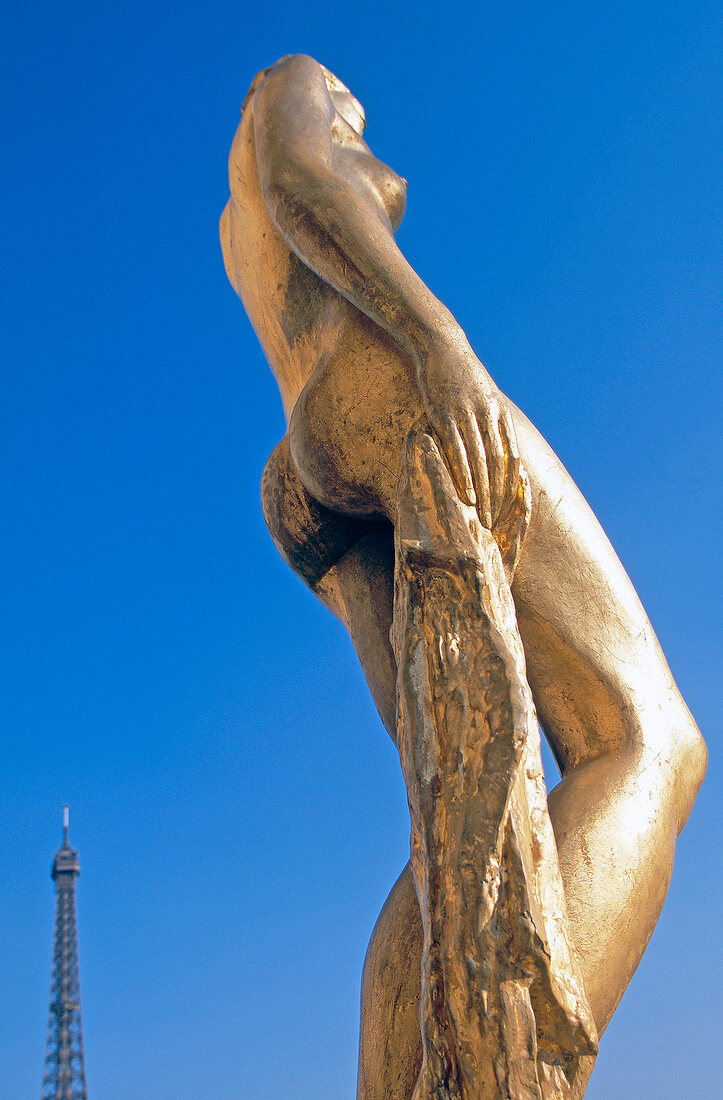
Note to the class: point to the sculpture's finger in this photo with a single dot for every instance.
(455, 454)
(512, 454)
(495, 451)
(480, 470)
(511, 525)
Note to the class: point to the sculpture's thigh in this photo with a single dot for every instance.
(594, 665)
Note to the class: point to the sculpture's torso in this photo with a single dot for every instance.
(314, 339)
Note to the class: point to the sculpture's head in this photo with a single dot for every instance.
(347, 105)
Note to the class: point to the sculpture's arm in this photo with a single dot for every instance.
(348, 241)
(336, 229)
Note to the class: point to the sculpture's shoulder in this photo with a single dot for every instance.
(292, 69)
(309, 537)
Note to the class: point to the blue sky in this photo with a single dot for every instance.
(238, 809)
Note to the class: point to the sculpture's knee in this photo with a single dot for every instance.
(666, 754)
(689, 757)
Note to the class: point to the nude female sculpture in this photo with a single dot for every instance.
(412, 496)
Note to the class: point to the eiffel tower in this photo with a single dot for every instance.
(64, 1077)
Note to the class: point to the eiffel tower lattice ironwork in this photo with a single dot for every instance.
(64, 1077)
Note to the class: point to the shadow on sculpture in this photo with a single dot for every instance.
(481, 594)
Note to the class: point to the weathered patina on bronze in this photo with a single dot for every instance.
(420, 505)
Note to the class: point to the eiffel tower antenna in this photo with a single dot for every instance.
(64, 1077)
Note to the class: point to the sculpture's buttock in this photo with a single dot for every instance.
(350, 420)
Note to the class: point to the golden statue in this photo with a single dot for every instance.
(423, 508)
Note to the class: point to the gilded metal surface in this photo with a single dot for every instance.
(504, 1012)
(413, 497)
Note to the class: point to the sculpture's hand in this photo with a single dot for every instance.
(474, 426)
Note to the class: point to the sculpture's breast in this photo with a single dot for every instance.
(372, 178)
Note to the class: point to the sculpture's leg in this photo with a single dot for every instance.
(504, 1014)
(632, 757)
